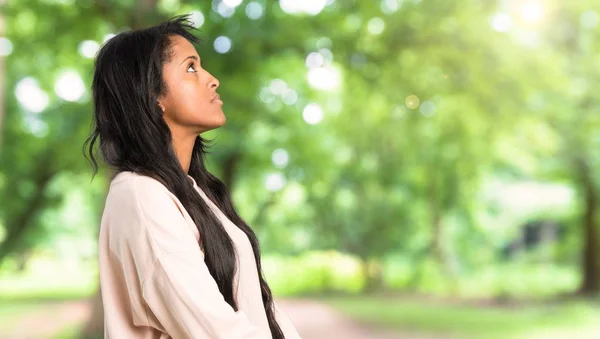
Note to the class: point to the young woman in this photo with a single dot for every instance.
(176, 260)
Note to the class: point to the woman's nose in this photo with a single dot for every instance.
(214, 83)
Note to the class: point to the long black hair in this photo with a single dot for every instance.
(133, 136)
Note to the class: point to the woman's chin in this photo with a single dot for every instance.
(215, 123)
(220, 119)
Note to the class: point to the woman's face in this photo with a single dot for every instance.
(190, 101)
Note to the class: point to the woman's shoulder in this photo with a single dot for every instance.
(128, 182)
(130, 178)
(142, 215)
(130, 189)
(139, 204)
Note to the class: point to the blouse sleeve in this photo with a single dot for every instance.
(178, 288)
(286, 325)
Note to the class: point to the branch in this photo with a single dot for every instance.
(24, 221)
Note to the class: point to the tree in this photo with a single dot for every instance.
(571, 112)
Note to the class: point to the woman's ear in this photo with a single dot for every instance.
(161, 105)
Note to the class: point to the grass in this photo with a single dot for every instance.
(71, 332)
(49, 280)
(468, 321)
(44, 282)
(11, 311)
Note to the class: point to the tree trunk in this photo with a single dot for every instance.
(230, 166)
(20, 225)
(373, 275)
(22, 259)
(2, 77)
(436, 227)
(94, 327)
(590, 283)
(436, 236)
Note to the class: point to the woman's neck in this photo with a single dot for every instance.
(183, 144)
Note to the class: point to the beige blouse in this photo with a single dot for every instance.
(153, 278)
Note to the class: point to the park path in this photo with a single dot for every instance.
(313, 319)
(48, 319)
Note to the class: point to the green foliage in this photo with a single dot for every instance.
(315, 273)
(432, 104)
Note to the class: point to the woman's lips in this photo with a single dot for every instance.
(217, 99)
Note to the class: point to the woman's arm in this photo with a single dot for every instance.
(176, 286)
(185, 299)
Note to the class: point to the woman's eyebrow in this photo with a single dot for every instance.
(190, 57)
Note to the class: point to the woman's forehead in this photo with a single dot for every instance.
(182, 48)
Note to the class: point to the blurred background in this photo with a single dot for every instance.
(413, 168)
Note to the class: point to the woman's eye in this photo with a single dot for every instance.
(192, 68)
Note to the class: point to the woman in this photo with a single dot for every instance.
(176, 260)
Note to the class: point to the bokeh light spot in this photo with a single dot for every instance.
(312, 114)
(69, 86)
(254, 10)
(412, 101)
(6, 47)
(222, 44)
(88, 48)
